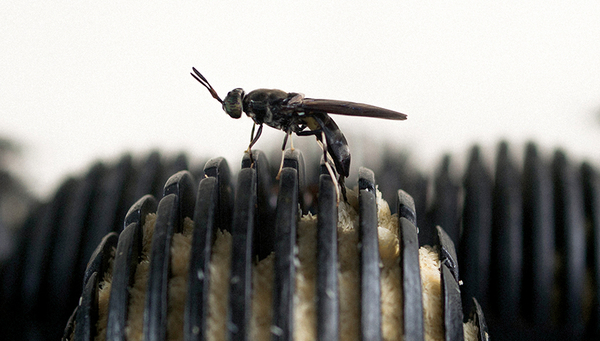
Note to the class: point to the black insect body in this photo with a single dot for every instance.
(293, 113)
(280, 110)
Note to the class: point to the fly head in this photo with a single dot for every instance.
(233, 103)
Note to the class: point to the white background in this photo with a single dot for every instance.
(86, 80)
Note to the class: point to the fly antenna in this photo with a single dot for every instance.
(206, 84)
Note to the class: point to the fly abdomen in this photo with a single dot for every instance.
(337, 145)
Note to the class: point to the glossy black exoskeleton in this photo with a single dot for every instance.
(292, 113)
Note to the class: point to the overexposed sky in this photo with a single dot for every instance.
(86, 80)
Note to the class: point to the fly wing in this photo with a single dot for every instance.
(331, 106)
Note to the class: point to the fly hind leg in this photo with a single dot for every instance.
(322, 141)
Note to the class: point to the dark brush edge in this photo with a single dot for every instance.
(369, 257)
(327, 261)
(240, 284)
(284, 264)
(410, 273)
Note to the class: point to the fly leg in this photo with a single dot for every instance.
(323, 144)
(253, 140)
(287, 134)
(322, 141)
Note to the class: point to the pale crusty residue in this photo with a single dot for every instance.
(305, 314)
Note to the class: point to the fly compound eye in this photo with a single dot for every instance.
(233, 103)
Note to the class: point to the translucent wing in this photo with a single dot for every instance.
(331, 106)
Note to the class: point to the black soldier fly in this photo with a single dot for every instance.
(292, 113)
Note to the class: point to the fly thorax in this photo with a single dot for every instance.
(260, 112)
